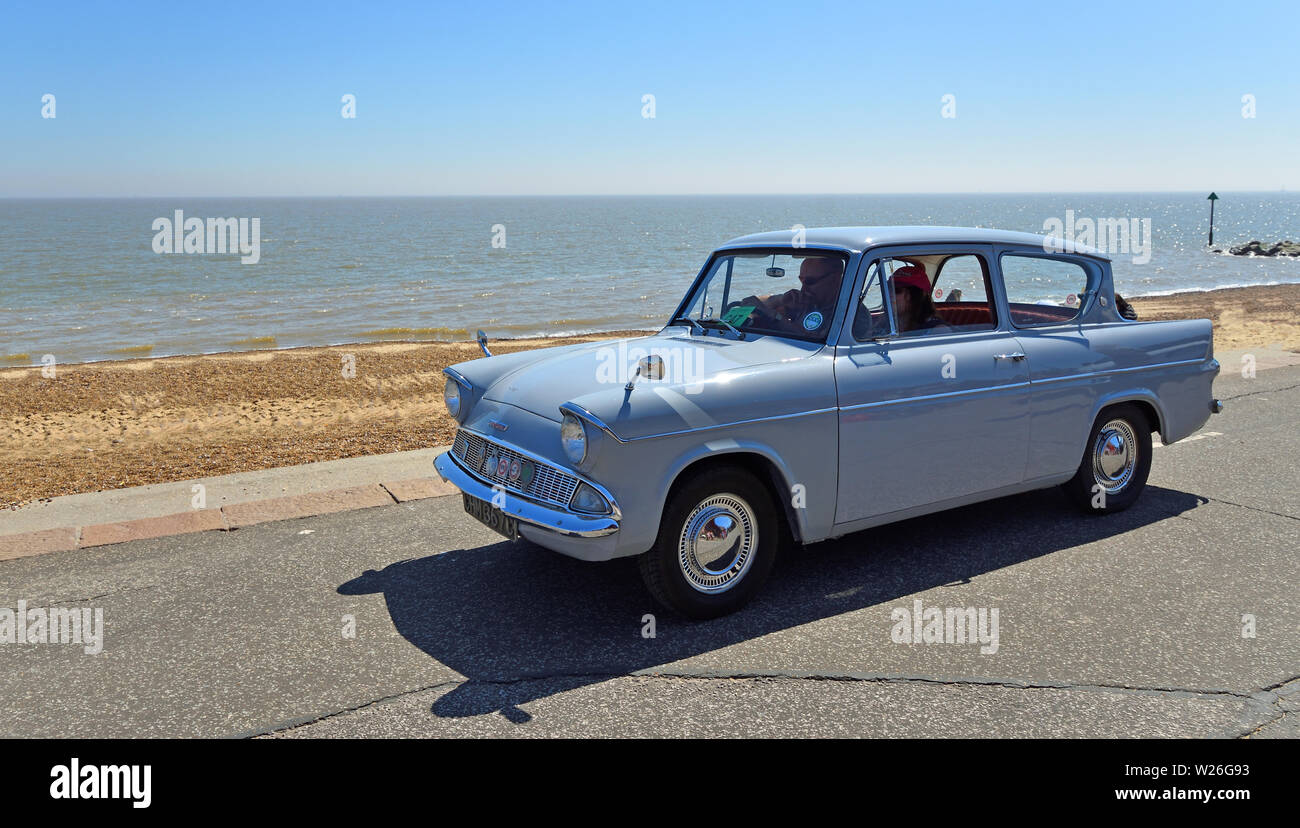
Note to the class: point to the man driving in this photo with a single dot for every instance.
(807, 309)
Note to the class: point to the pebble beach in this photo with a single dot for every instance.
(109, 425)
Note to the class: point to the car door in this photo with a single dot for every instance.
(926, 416)
(1047, 296)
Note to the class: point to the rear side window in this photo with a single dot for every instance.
(961, 295)
(1043, 291)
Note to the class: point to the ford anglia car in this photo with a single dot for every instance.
(820, 382)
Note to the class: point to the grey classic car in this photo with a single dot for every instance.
(819, 382)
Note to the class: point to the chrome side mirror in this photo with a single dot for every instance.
(651, 366)
(481, 339)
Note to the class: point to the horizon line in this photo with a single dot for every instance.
(636, 195)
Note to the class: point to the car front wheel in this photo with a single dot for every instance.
(717, 543)
(1116, 461)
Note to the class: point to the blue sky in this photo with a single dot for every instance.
(244, 99)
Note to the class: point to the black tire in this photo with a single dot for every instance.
(1106, 481)
(677, 571)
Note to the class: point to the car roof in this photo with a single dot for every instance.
(857, 239)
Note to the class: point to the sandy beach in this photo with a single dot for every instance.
(110, 425)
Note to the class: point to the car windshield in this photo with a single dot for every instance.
(790, 293)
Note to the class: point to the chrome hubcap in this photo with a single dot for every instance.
(717, 543)
(1114, 456)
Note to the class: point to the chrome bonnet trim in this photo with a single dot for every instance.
(459, 378)
(582, 413)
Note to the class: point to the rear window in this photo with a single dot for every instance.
(1043, 291)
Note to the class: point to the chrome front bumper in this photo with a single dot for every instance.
(550, 518)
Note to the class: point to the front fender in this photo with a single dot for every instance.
(783, 480)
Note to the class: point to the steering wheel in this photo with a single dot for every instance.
(757, 317)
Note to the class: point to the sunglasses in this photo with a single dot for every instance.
(820, 277)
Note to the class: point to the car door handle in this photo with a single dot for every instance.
(1016, 357)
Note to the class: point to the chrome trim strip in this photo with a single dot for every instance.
(887, 295)
(522, 509)
(935, 396)
(1119, 371)
(788, 246)
(596, 421)
(615, 513)
(459, 377)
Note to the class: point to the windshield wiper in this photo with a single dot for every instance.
(691, 322)
(725, 323)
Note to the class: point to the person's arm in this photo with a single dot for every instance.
(782, 306)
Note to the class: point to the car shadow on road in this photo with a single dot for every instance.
(523, 623)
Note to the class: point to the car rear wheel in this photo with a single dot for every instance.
(1116, 461)
(717, 543)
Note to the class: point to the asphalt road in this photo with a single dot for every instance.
(1128, 625)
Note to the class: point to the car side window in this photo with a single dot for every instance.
(961, 293)
(1043, 291)
(870, 319)
(932, 294)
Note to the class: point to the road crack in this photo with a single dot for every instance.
(55, 602)
(1261, 391)
(304, 721)
(1252, 508)
(1260, 701)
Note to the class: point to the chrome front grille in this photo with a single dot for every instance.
(549, 484)
(470, 448)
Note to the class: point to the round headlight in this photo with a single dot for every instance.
(573, 437)
(451, 396)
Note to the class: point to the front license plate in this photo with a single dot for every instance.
(491, 517)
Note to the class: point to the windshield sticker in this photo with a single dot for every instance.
(938, 294)
(737, 315)
(812, 321)
(1071, 300)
